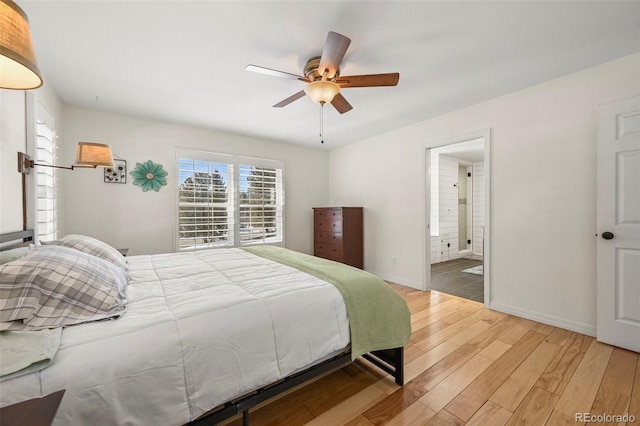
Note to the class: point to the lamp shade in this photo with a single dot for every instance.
(322, 92)
(94, 154)
(18, 67)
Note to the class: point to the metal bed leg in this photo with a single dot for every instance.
(399, 361)
(245, 418)
(389, 360)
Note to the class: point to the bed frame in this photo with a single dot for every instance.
(389, 360)
(12, 240)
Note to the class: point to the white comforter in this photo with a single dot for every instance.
(201, 328)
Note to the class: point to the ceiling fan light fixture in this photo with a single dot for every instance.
(322, 92)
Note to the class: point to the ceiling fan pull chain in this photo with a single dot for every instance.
(321, 122)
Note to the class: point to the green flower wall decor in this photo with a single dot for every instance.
(149, 176)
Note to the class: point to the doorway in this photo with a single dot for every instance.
(457, 216)
(618, 243)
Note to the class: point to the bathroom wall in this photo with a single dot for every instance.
(444, 246)
(478, 210)
(464, 207)
(448, 241)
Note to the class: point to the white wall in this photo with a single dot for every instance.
(543, 169)
(124, 216)
(13, 138)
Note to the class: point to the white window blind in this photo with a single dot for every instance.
(227, 201)
(45, 153)
(260, 202)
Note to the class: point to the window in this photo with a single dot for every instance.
(228, 201)
(43, 151)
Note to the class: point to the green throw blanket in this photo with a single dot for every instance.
(23, 352)
(378, 317)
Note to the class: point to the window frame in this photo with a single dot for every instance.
(235, 162)
(38, 115)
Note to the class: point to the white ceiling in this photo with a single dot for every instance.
(183, 61)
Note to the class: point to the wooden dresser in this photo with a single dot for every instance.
(338, 234)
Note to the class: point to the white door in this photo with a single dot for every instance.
(618, 246)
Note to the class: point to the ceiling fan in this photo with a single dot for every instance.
(322, 75)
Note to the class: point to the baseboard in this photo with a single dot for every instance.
(577, 327)
(397, 280)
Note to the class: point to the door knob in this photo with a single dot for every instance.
(607, 235)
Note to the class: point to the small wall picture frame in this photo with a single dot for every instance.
(117, 173)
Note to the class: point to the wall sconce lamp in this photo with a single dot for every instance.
(88, 155)
(17, 57)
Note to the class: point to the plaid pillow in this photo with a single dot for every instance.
(54, 286)
(91, 246)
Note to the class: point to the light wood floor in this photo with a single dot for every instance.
(469, 365)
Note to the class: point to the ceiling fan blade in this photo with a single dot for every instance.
(371, 80)
(274, 73)
(290, 99)
(334, 49)
(341, 104)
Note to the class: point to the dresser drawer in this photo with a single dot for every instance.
(328, 251)
(333, 225)
(331, 237)
(327, 214)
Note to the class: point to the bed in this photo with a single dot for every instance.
(209, 334)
